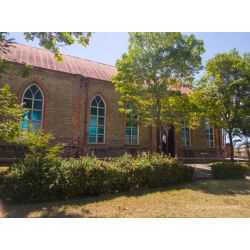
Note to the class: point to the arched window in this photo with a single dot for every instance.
(97, 120)
(209, 134)
(33, 100)
(185, 133)
(132, 131)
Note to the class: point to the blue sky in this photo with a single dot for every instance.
(107, 47)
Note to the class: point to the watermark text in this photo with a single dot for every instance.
(207, 207)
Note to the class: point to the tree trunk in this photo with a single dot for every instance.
(231, 145)
(247, 148)
(158, 128)
(159, 138)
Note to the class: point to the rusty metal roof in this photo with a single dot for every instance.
(184, 90)
(44, 59)
(73, 65)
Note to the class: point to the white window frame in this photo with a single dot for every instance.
(105, 113)
(131, 135)
(184, 131)
(33, 99)
(209, 142)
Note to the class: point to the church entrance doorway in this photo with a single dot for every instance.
(171, 145)
(168, 146)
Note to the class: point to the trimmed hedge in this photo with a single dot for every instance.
(49, 180)
(229, 170)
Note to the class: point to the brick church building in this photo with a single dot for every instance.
(76, 101)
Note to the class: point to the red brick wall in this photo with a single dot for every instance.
(64, 115)
(76, 109)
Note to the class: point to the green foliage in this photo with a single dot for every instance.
(39, 144)
(50, 179)
(53, 40)
(228, 170)
(151, 73)
(11, 130)
(11, 116)
(48, 40)
(5, 43)
(31, 181)
(223, 93)
(6, 66)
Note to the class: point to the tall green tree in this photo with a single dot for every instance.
(151, 74)
(223, 93)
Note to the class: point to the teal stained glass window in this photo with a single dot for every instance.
(131, 131)
(185, 133)
(33, 100)
(97, 120)
(209, 135)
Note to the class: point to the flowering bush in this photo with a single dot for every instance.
(50, 179)
(228, 170)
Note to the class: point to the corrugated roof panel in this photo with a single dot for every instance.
(73, 65)
(38, 57)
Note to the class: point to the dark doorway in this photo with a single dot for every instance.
(171, 146)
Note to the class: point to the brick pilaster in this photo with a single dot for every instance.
(76, 109)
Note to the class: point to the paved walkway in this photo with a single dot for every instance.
(205, 172)
(201, 166)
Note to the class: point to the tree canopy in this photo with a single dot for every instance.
(151, 74)
(223, 93)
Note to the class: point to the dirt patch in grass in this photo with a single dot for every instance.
(211, 198)
(197, 170)
(3, 167)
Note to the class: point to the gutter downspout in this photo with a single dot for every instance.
(86, 116)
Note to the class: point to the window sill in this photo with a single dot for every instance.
(132, 144)
(187, 146)
(92, 143)
(211, 147)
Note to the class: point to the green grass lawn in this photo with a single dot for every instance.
(190, 200)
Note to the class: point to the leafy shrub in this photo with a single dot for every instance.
(40, 143)
(30, 180)
(51, 179)
(228, 170)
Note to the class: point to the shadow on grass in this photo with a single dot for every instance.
(222, 187)
(75, 207)
(61, 209)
